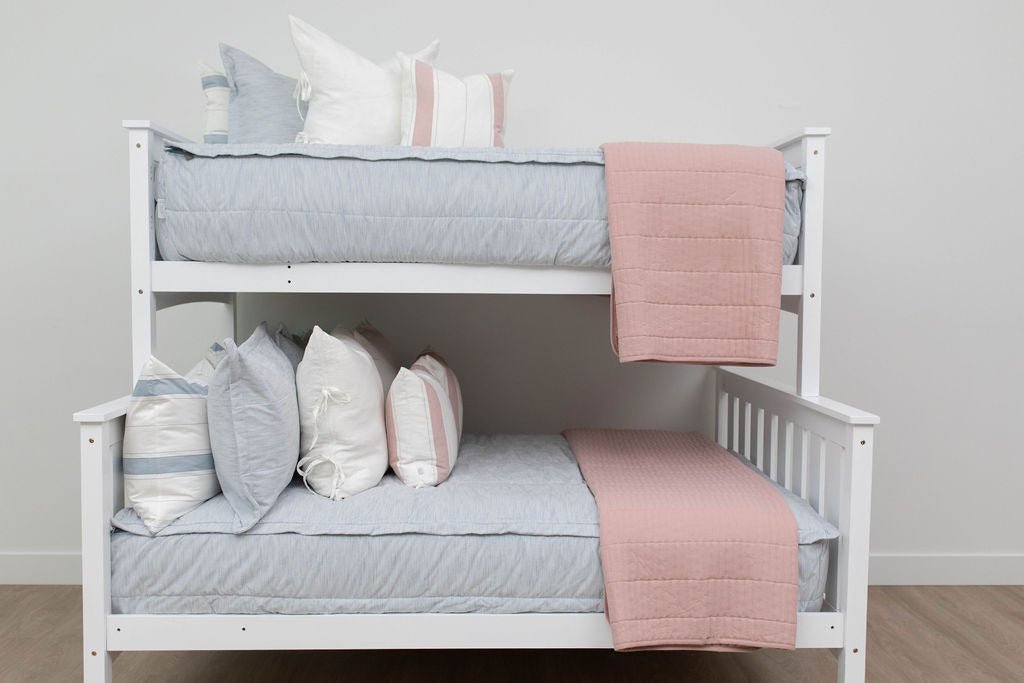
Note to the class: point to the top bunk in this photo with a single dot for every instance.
(187, 239)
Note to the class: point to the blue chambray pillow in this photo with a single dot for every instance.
(253, 415)
(262, 103)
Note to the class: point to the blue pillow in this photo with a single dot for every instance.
(262, 104)
(253, 415)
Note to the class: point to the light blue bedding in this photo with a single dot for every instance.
(295, 203)
(514, 529)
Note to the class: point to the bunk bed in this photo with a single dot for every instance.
(818, 450)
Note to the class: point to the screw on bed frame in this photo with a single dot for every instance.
(862, 442)
(92, 440)
(855, 650)
(815, 152)
(812, 294)
(138, 145)
(140, 291)
(94, 653)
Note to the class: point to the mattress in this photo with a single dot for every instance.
(296, 203)
(514, 529)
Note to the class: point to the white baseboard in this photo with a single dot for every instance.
(55, 568)
(886, 569)
(946, 570)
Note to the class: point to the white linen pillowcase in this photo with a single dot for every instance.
(167, 459)
(341, 413)
(352, 101)
(442, 110)
(217, 93)
(423, 437)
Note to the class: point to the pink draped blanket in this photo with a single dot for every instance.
(698, 551)
(696, 240)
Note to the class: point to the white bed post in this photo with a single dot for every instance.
(810, 255)
(854, 528)
(142, 150)
(101, 433)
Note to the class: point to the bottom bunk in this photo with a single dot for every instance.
(513, 530)
(291, 585)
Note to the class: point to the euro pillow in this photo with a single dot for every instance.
(441, 110)
(380, 350)
(352, 101)
(168, 465)
(254, 425)
(262, 104)
(217, 94)
(341, 410)
(423, 437)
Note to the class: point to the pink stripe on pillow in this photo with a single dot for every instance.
(423, 123)
(442, 463)
(455, 396)
(391, 431)
(498, 88)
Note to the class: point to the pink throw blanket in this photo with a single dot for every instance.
(698, 551)
(696, 239)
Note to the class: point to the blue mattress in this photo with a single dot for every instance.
(514, 529)
(295, 203)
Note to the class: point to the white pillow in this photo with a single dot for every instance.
(167, 460)
(441, 110)
(380, 349)
(341, 414)
(215, 88)
(352, 101)
(423, 439)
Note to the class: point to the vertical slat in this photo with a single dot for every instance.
(805, 462)
(722, 416)
(774, 441)
(788, 455)
(822, 477)
(746, 430)
(735, 444)
(759, 448)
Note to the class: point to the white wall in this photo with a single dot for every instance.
(922, 303)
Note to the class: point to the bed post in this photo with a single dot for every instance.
(101, 432)
(812, 151)
(142, 150)
(854, 528)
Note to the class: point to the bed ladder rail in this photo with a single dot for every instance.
(820, 450)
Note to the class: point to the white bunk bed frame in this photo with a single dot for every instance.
(815, 447)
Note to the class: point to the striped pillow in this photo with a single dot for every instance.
(168, 464)
(440, 110)
(215, 87)
(423, 436)
(432, 362)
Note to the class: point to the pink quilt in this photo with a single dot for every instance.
(696, 240)
(698, 551)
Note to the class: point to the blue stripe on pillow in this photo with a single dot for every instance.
(215, 81)
(168, 464)
(170, 385)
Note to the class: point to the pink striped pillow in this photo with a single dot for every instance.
(422, 432)
(433, 363)
(441, 110)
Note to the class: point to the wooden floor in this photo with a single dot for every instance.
(916, 634)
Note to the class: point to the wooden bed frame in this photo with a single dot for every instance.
(815, 447)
